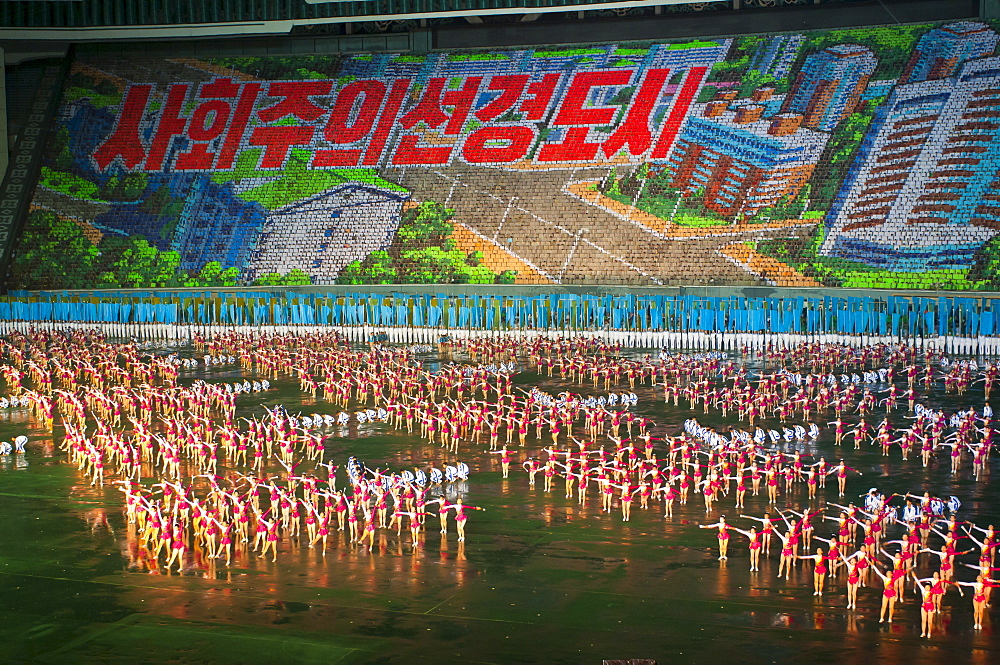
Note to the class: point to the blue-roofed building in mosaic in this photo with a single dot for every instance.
(923, 191)
(830, 85)
(742, 161)
(88, 126)
(942, 51)
(215, 224)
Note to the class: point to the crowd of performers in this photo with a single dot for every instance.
(201, 484)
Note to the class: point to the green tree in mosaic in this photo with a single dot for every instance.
(755, 79)
(132, 262)
(212, 274)
(53, 253)
(427, 223)
(128, 187)
(377, 268)
(986, 265)
(297, 67)
(141, 265)
(294, 277)
(133, 185)
(441, 265)
(63, 160)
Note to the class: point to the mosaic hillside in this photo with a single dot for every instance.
(858, 158)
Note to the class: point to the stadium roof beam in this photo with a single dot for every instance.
(183, 19)
(460, 24)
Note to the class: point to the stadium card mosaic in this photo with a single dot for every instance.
(859, 158)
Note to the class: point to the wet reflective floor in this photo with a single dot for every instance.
(539, 580)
